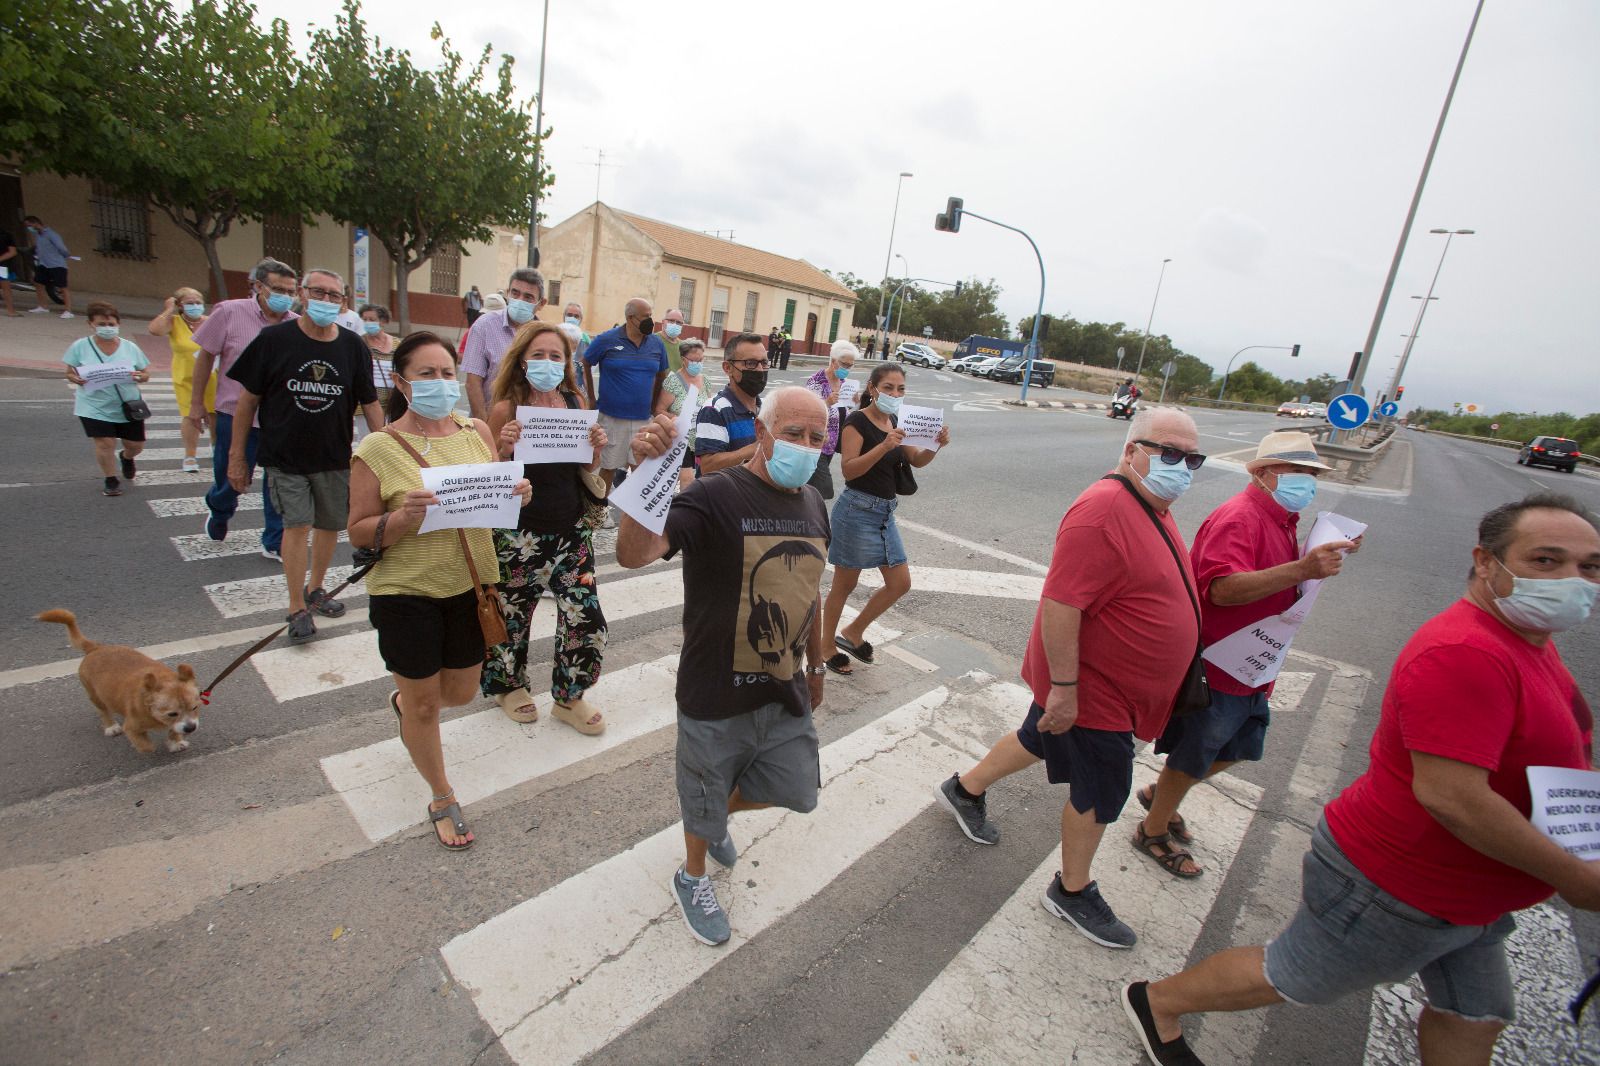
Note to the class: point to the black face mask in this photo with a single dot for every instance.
(752, 382)
(647, 326)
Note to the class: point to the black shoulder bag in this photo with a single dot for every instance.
(1194, 693)
(134, 410)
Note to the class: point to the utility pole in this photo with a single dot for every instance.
(538, 146)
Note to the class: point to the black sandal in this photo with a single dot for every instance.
(839, 663)
(862, 651)
(1171, 858)
(1176, 826)
(452, 812)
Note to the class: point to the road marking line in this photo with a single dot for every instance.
(556, 990)
(152, 454)
(994, 553)
(967, 583)
(186, 506)
(989, 996)
(911, 659)
(235, 599)
(1290, 690)
(194, 547)
(200, 479)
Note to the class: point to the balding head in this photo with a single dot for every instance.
(794, 414)
(638, 307)
(1149, 423)
(790, 403)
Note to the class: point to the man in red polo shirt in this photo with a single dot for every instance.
(1418, 865)
(1111, 644)
(1248, 566)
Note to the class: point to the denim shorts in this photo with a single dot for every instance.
(1349, 936)
(1097, 763)
(768, 754)
(864, 534)
(1232, 729)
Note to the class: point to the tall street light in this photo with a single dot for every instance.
(904, 174)
(1152, 317)
(1449, 235)
(538, 147)
(901, 314)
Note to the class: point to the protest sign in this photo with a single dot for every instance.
(646, 495)
(105, 375)
(555, 435)
(922, 425)
(472, 496)
(382, 373)
(849, 389)
(1566, 808)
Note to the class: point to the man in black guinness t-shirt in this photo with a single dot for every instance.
(751, 670)
(305, 379)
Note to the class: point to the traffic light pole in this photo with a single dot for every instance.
(1295, 349)
(1038, 316)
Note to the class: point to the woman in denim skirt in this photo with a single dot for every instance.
(864, 532)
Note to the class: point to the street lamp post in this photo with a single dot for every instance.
(907, 281)
(538, 146)
(901, 313)
(1449, 235)
(1247, 348)
(888, 255)
(1152, 317)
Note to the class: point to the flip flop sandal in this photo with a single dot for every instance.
(1176, 826)
(862, 651)
(1170, 858)
(518, 705)
(839, 663)
(452, 812)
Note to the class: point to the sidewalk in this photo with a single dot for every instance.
(32, 346)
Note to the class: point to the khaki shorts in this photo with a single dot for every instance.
(768, 754)
(320, 500)
(618, 453)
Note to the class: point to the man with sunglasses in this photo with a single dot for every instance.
(725, 430)
(1247, 567)
(1111, 644)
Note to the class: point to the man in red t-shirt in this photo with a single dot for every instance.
(1417, 866)
(1111, 644)
(1248, 567)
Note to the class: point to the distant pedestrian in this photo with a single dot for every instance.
(49, 267)
(306, 379)
(784, 344)
(490, 336)
(872, 346)
(572, 315)
(101, 411)
(725, 428)
(9, 258)
(675, 390)
(671, 330)
(628, 364)
(1418, 866)
(472, 304)
(183, 313)
(827, 384)
(420, 597)
(375, 321)
(348, 317)
(865, 536)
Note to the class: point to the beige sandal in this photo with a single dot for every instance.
(580, 715)
(518, 705)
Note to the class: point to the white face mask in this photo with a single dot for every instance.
(1547, 605)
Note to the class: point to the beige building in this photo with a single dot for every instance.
(601, 257)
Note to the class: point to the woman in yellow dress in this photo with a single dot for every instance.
(184, 311)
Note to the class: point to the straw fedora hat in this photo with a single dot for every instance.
(1286, 446)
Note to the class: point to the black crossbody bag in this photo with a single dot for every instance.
(1194, 693)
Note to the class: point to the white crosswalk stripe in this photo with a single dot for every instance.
(184, 506)
(194, 547)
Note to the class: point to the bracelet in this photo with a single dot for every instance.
(1063, 684)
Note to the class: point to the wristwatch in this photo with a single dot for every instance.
(816, 671)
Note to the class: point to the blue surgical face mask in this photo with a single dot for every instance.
(575, 320)
(692, 367)
(889, 405)
(841, 372)
(544, 374)
(434, 397)
(194, 310)
(1167, 482)
(370, 328)
(322, 312)
(519, 311)
(790, 466)
(673, 330)
(108, 332)
(1295, 491)
(1549, 604)
(278, 303)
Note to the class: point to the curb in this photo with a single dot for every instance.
(1059, 405)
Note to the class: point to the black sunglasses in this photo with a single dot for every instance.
(1173, 456)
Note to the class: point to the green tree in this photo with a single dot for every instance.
(975, 310)
(439, 158)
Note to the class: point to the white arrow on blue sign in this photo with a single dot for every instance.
(1389, 410)
(1349, 411)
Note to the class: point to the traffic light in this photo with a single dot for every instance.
(958, 288)
(1294, 353)
(949, 220)
(1044, 328)
(1399, 392)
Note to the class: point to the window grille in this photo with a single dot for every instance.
(121, 224)
(751, 302)
(282, 239)
(686, 298)
(444, 274)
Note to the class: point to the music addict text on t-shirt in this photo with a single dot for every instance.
(753, 557)
(309, 391)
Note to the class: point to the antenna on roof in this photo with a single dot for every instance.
(599, 165)
(718, 233)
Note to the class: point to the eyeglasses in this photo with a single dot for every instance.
(280, 290)
(752, 364)
(319, 293)
(1173, 456)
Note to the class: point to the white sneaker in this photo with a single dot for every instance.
(39, 311)
(68, 314)
(191, 465)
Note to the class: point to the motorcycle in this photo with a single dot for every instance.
(1123, 406)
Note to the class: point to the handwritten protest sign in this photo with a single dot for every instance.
(1254, 654)
(1566, 808)
(472, 496)
(382, 373)
(105, 375)
(922, 425)
(849, 389)
(555, 435)
(647, 494)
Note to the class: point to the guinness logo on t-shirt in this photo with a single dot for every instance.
(318, 371)
(315, 386)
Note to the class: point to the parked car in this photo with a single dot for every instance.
(962, 364)
(918, 354)
(980, 368)
(1010, 369)
(1557, 452)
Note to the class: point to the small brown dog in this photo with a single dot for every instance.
(124, 682)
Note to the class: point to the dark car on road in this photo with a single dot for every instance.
(1558, 452)
(1012, 367)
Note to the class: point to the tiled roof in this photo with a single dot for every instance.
(685, 244)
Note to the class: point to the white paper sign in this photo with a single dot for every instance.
(849, 389)
(646, 495)
(105, 375)
(922, 425)
(1254, 655)
(1566, 808)
(555, 435)
(382, 373)
(472, 496)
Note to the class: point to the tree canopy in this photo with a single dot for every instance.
(952, 315)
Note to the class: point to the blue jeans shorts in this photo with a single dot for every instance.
(1232, 729)
(864, 534)
(1096, 763)
(1349, 936)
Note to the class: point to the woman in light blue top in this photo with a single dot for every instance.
(100, 410)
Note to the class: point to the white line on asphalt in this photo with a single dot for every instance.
(200, 479)
(236, 599)
(994, 553)
(203, 452)
(181, 506)
(967, 582)
(911, 659)
(1290, 690)
(45, 399)
(161, 434)
(194, 547)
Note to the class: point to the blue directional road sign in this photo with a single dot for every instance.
(1389, 410)
(1349, 411)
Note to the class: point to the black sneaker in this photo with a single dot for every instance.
(113, 487)
(317, 600)
(1136, 1004)
(127, 467)
(971, 815)
(1089, 914)
(301, 627)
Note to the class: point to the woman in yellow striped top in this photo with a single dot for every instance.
(421, 599)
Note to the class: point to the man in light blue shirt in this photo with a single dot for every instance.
(50, 267)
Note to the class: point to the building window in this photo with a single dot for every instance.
(554, 295)
(751, 302)
(833, 326)
(788, 316)
(686, 298)
(281, 240)
(121, 224)
(444, 275)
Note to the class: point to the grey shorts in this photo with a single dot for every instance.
(618, 454)
(769, 755)
(320, 500)
(1349, 935)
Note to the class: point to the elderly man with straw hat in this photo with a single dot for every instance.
(1248, 567)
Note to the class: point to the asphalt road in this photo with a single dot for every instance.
(259, 898)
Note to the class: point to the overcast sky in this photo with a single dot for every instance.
(1269, 149)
